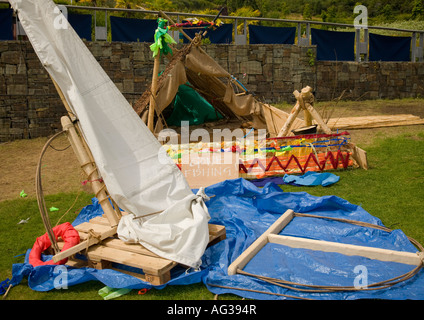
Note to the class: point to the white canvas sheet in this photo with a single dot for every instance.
(125, 151)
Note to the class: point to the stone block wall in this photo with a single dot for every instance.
(30, 106)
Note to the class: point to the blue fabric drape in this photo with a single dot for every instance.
(133, 30)
(388, 48)
(81, 24)
(6, 24)
(222, 34)
(271, 35)
(334, 45)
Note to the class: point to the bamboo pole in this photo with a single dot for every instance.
(152, 106)
(83, 153)
(90, 170)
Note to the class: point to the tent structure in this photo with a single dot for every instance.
(191, 65)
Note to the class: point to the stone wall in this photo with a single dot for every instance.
(30, 106)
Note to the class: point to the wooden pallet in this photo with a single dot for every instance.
(112, 251)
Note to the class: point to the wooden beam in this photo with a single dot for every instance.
(287, 125)
(346, 249)
(84, 244)
(272, 236)
(256, 246)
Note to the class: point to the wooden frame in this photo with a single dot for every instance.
(272, 236)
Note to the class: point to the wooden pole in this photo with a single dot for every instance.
(293, 115)
(152, 105)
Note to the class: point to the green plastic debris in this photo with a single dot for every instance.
(53, 209)
(23, 194)
(108, 293)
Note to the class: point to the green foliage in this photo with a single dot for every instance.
(418, 9)
(311, 55)
(307, 12)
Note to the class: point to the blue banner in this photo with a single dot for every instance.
(388, 48)
(81, 23)
(334, 45)
(6, 24)
(271, 35)
(133, 30)
(222, 34)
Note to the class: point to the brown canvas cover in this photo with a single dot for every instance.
(216, 85)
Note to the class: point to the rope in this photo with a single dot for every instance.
(328, 289)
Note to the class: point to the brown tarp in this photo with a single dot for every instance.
(216, 85)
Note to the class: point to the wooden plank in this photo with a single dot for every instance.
(98, 228)
(347, 249)
(256, 246)
(130, 247)
(150, 265)
(360, 156)
(366, 122)
(83, 245)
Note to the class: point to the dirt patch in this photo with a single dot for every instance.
(60, 170)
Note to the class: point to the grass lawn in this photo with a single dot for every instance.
(392, 190)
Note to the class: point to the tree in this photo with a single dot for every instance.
(388, 13)
(418, 9)
(307, 12)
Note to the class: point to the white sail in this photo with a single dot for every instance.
(125, 151)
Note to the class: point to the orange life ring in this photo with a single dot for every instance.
(69, 235)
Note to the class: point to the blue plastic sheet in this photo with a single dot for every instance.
(310, 178)
(247, 211)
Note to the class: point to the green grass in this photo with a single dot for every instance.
(392, 190)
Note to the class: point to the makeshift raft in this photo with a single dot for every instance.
(132, 259)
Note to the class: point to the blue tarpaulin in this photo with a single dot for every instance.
(334, 45)
(222, 34)
(6, 24)
(247, 212)
(388, 48)
(81, 23)
(271, 35)
(132, 30)
(312, 179)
